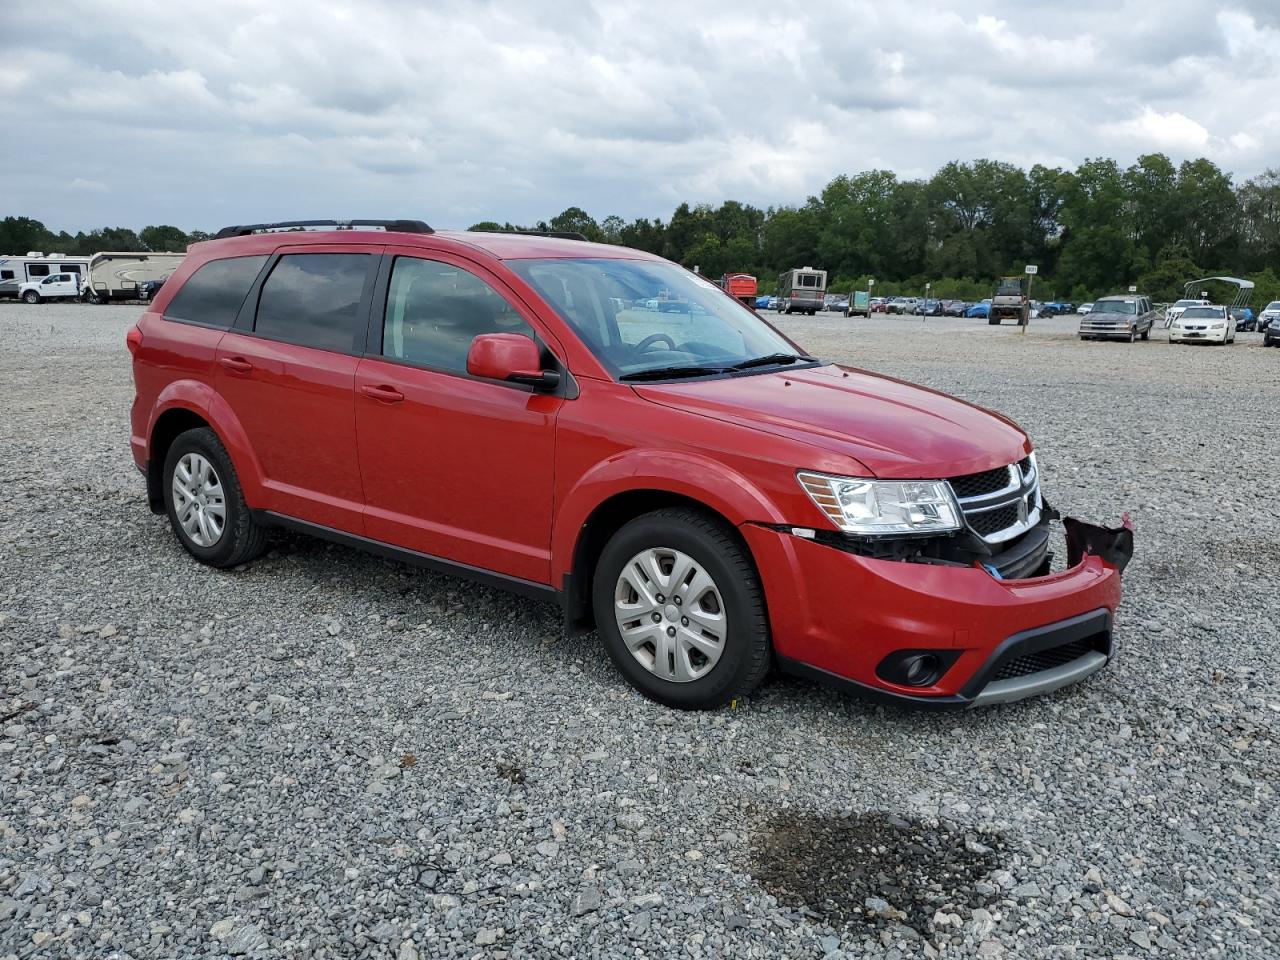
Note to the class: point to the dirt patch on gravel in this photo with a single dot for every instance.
(873, 867)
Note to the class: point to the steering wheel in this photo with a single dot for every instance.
(653, 338)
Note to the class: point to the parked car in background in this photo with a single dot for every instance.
(1061, 306)
(56, 286)
(979, 310)
(148, 289)
(698, 489)
(1271, 334)
(1245, 319)
(763, 303)
(928, 308)
(1037, 309)
(903, 305)
(838, 304)
(1268, 315)
(1122, 317)
(1212, 323)
(879, 305)
(1174, 310)
(1084, 308)
(954, 308)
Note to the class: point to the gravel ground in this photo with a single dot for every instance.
(330, 755)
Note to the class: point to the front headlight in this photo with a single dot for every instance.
(878, 507)
(1218, 326)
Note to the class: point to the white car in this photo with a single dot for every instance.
(1174, 310)
(1204, 324)
(1084, 308)
(56, 286)
(1269, 314)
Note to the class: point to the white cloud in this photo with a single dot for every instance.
(1152, 130)
(459, 111)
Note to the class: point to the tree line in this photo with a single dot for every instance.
(1093, 230)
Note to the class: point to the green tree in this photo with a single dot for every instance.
(1172, 268)
(164, 239)
(19, 235)
(576, 220)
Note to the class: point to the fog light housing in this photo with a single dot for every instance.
(916, 668)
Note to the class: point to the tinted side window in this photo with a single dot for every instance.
(312, 299)
(6, 274)
(37, 269)
(213, 294)
(434, 310)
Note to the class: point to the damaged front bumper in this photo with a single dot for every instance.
(988, 627)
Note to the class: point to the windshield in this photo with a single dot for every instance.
(1115, 306)
(1273, 305)
(1009, 288)
(1202, 313)
(642, 315)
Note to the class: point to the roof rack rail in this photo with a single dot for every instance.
(398, 226)
(556, 234)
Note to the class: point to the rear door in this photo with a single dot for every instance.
(287, 369)
(453, 466)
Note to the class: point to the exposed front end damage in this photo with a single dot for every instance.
(950, 621)
(1026, 557)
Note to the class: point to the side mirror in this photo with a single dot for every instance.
(511, 357)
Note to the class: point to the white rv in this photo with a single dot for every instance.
(117, 276)
(35, 266)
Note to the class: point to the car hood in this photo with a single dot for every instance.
(896, 430)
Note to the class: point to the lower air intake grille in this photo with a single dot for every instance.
(1044, 660)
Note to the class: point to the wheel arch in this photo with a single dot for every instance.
(190, 404)
(167, 428)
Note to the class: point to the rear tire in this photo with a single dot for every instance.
(993, 321)
(199, 475)
(709, 568)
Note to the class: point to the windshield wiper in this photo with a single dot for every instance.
(671, 373)
(769, 360)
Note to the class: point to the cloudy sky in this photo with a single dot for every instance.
(221, 111)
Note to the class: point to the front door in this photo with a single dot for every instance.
(453, 466)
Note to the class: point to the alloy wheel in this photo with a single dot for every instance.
(198, 500)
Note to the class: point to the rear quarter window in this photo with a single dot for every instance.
(213, 294)
(313, 299)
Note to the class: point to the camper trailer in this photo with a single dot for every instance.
(34, 267)
(117, 276)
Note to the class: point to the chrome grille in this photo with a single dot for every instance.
(1000, 504)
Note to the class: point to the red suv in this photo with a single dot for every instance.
(534, 413)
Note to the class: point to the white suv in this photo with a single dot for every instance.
(1269, 315)
(56, 286)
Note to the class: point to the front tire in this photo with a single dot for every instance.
(710, 642)
(31, 297)
(205, 504)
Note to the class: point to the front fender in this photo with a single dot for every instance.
(698, 478)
